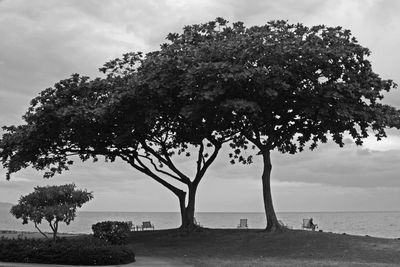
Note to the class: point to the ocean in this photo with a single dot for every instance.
(377, 224)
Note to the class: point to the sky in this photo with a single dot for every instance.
(43, 42)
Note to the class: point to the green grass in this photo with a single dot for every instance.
(232, 247)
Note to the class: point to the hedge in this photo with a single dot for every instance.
(114, 232)
(74, 251)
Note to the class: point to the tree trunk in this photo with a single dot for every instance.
(272, 220)
(187, 213)
(54, 228)
(55, 231)
(190, 208)
(182, 206)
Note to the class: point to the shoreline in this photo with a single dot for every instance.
(383, 225)
(32, 234)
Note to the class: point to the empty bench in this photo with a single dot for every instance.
(147, 225)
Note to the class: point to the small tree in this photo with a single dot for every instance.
(53, 203)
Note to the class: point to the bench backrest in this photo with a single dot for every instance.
(147, 225)
(243, 223)
(306, 223)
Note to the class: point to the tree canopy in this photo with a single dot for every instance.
(289, 82)
(51, 203)
(281, 86)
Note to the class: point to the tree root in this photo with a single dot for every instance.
(276, 229)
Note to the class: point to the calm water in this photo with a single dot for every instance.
(379, 224)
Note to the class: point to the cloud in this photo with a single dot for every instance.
(45, 42)
(49, 41)
(372, 165)
(349, 167)
(259, 12)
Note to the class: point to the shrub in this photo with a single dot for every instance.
(74, 251)
(113, 232)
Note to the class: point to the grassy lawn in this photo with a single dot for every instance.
(233, 247)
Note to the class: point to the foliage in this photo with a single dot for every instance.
(280, 86)
(75, 251)
(51, 203)
(114, 232)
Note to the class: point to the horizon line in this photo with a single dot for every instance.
(325, 211)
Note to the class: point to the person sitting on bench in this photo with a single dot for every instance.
(312, 225)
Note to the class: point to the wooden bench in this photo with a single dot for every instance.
(147, 225)
(242, 224)
(307, 224)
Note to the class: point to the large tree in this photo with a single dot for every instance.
(125, 116)
(283, 86)
(152, 109)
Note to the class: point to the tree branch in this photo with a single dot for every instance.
(200, 173)
(144, 169)
(159, 170)
(40, 231)
(51, 226)
(227, 137)
(200, 157)
(255, 140)
(167, 161)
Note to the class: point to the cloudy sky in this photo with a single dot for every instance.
(45, 41)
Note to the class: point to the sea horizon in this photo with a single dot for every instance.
(277, 211)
